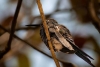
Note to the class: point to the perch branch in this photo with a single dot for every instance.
(47, 33)
(30, 44)
(95, 18)
(25, 42)
(14, 21)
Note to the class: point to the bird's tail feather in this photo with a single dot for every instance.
(78, 49)
(82, 52)
(84, 58)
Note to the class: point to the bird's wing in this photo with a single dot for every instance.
(66, 34)
(43, 36)
(63, 40)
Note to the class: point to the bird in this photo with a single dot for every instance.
(62, 40)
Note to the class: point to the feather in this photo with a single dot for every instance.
(78, 52)
(69, 38)
(84, 58)
(62, 40)
(61, 35)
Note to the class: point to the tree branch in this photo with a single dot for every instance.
(95, 18)
(31, 45)
(25, 42)
(14, 21)
(47, 32)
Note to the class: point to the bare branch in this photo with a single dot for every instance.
(14, 21)
(47, 32)
(31, 45)
(95, 18)
(25, 42)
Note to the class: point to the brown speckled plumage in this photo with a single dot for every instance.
(64, 34)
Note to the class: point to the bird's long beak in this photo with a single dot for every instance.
(34, 25)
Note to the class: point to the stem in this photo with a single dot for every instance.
(47, 32)
(14, 21)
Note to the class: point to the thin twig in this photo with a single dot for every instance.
(95, 18)
(30, 45)
(58, 11)
(14, 21)
(47, 33)
(25, 42)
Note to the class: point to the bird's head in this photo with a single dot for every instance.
(51, 22)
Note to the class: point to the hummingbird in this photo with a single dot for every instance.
(62, 40)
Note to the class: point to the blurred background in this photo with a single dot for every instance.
(74, 14)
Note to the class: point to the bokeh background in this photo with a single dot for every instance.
(74, 14)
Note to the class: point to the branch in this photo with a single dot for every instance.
(47, 32)
(14, 21)
(25, 42)
(31, 45)
(95, 18)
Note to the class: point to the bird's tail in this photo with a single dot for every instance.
(81, 53)
(84, 57)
